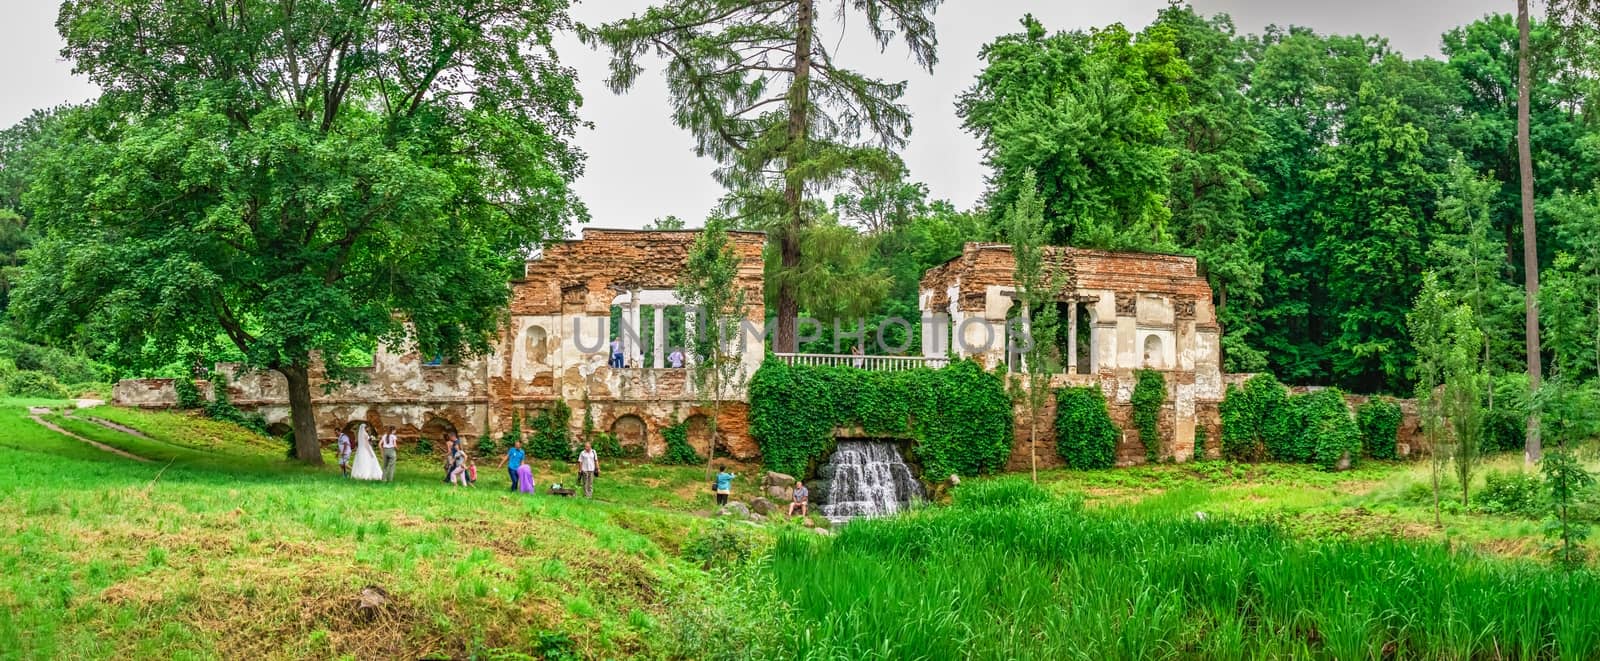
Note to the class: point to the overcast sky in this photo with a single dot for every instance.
(641, 167)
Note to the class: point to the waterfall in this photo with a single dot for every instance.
(866, 478)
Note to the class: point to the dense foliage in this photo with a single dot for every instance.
(679, 452)
(959, 417)
(1379, 420)
(1313, 427)
(1246, 411)
(1149, 393)
(550, 433)
(1085, 435)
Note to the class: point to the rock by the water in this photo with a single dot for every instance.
(757, 518)
(780, 494)
(762, 506)
(775, 479)
(813, 521)
(825, 471)
(823, 531)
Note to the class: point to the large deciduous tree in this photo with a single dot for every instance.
(301, 177)
(756, 83)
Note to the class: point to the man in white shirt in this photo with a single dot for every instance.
(344, 453)
(388, 444)
(588, 469)
(675, 359)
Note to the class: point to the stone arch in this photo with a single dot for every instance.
(279, 429)
(631, 431)
(1153, 357)
(436, 430)
(534, 345)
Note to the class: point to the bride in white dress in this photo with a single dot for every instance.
(365, 466)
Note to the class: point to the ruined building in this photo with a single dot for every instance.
(1124, 312)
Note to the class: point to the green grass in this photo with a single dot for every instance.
(1006, 573)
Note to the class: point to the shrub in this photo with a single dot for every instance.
(1510, 492)
(221, 408)
(959, 417)
(1086, 437)
(1505, 425)
(1246, 411)
(31, 383)
(63, 366)
(486, 446)
(424, 446)
(606, 445)
(1149, 393)
(551, 433)
(1314, 428)
(679, 452)
(722, 544)
(1379, 420)
(188, 395)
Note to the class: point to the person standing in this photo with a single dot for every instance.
(588, 469)
(859, 359)
(513, 461)
(724, 486)
(616, 352)
(802, 497)
(675, 359)
(450, 445)
(388, 445)
(344, 452)
(458, 475)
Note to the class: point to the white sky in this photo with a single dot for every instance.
(641, 167)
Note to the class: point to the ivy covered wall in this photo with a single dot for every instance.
(958, 418)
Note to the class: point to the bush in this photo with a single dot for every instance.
(1505, 426)
(1246, 411)
(31, 383)
(724, 543)
(959, 417)
(221, 408)
(1511, 492)
(1379, 420)
(485, 447)
(424, 446)
(1086, 438)
(606, 445)
(1314, 428)
(679, 452)
(63, 366)
(551, 434)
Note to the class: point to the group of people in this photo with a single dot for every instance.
(722, 485)
(358, 461)
(674, 359)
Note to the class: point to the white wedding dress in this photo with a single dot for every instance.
(365, 466)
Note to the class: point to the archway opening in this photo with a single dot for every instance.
(1152, 353)
(631, 432)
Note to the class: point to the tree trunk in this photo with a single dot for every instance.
(1033, 442)
(1530, 243)
(787, 340)
(306, 446)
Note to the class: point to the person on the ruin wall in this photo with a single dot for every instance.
(588, 469)
(616, 352)
(513, 461)
(675, 359)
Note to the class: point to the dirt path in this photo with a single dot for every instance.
(114, 426)
(101, 446)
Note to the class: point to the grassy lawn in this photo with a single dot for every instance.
(220, 547)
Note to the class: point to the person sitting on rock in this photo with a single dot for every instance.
(802, 497)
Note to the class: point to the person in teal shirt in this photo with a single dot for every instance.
(512, 461)
(724, 485)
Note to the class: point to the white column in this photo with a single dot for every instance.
(635, 354)
(1072, 337)
(661, 336)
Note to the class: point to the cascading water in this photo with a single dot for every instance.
(866, 478)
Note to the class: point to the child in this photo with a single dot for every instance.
(472, 472)
(525, 477)
(458, 472)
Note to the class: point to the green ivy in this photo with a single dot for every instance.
(188, 395)
(679, 452)
(221, 408)
(958, 417)
(1379, 420)
(1246, 411)
(1314, 428)
(1149, 393)
(1085, 435)
(551, 433)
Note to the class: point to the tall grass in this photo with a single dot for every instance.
(1009, 572)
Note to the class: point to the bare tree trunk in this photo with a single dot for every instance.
(1530, 244)
(787, 340)
(306, 446)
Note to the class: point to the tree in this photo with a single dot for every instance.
(1448, 382)
(1039, 277)
(1088, 113)
(1530, 243)
(1471, 262)
(1569, 410)
(1571, 309)
(710, 285)
(756, 84)
(300, 178)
